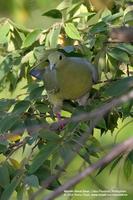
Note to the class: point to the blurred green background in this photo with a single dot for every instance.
(28, 12)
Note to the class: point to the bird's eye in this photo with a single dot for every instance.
(60, 58)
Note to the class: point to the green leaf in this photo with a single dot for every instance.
(18, 125)
(4, 30)
(70, 127)
(43, 173)
(42, 107)
(31, 181)
(7, 122)
(54, 13)
(12, 186)
(54, 35)
(64, 5)
(99, 27)
(128, 18)
(101, 170)
(5, 104)
(102, 124)
(93, 20)
(20, 192)
(32, 125)
(127, 168)
(21, 106)
(47, 42)
(111, 65)
(119, 87)
(49, 136)
(21, 29)
(126, 47)
(3, 148)
(84, 14)
(130, 156)
(43, 154)
(66, 152)
(119, 55)
(31, 38)
(112, 120)
(126, 108)
(111, 18)
(4, 176)
(36, 93)
(100, 61)
(54, 161)
(72, 31)
(73, 8)
(16, 38)
(5, 66)
(106, 13)
(115, 163)
(85, 155)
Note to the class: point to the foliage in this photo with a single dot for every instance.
(79, 30)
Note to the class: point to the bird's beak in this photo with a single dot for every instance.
(37, 73)
(52, 66)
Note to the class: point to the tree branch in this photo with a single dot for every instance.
(77, 148)
(116, 151)
(95, 115)
(100, 111)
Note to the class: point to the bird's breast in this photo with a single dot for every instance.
(74, 82)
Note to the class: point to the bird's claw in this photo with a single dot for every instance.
(60, 121)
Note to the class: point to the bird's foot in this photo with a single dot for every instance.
(60, 121)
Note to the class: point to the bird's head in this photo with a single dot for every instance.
(53, 62)
(55, 59)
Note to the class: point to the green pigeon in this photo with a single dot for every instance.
(67, 78)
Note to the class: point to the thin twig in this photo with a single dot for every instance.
(77, 148)
(116, 151)
(117, 42)
(96, 114)
(108, 81)
(128, 72)
(100, 111)
(17, 146)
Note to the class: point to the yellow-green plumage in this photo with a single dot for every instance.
(72, 78)
(68, 78)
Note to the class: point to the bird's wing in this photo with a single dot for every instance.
(92, 68)
(50, 81)
(94, 72)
